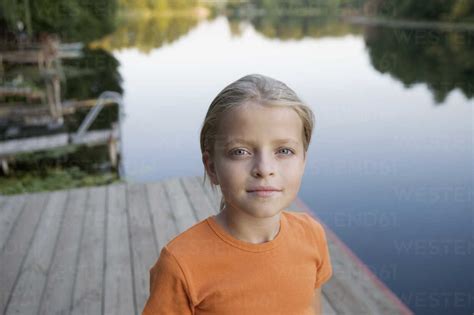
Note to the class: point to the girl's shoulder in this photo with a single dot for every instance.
(187, 238)
(301, 217)
(305, 223)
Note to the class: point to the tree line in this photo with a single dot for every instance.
(160, 5)
(438, 10)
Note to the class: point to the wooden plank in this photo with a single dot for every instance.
(143, 241)
(32, 144)
(213, 196)
(26, 295)
(15, 251)
(160, 210)
(327, 308)
(88, 290)
(21, 56)
(197, 197)
(15, 109)
(118, 292)
(352, 286)
(58, 291)
(34, 56)
(9, 213)
(181, 209)
(341, 292)
(20, 91)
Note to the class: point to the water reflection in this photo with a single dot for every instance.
(297, 27)
(146, 32)
(443, 60)
(48, 89)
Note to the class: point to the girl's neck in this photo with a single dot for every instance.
(248, 228)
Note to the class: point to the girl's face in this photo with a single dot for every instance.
(258, 146)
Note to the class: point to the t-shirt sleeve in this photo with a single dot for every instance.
(169, 291)
(323, 266)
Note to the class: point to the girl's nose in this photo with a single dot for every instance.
(263, 165)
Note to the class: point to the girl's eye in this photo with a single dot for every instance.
(288, 150)
(237, 150)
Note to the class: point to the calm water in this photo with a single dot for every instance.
(390, 167)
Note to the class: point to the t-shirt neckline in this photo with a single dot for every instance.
(231, 240)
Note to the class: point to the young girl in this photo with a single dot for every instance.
(254, 257)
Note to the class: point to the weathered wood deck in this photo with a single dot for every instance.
(89, 250)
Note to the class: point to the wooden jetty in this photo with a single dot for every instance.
(60, 140)
(47, 54)
(20, 110)
(110, 137)
(89, 250)
(63, 139)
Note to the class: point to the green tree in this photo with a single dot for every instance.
(161, 5)
(462, 9)
(72, 20)
(437, 10)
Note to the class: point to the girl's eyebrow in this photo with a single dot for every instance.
(239, 140)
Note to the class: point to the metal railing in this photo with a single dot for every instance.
(92, 115)
(94, 112)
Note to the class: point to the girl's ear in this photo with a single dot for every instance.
(210, 167)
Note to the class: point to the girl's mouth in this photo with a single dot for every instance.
(264, 193)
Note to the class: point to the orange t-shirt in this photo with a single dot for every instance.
(205, 270)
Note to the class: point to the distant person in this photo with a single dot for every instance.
(255, 256)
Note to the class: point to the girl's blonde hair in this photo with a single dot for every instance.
(259, 89)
